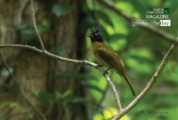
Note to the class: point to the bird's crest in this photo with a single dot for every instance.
(96, 30)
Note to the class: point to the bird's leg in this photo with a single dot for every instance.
(106, 71)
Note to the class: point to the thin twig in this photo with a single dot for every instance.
(129, 18)
(21, 90)
(35, 27)
(148, 87)
(116, 96)
(21, 46)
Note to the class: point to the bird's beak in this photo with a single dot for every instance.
(90, 35)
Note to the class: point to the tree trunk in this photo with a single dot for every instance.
(36, 72)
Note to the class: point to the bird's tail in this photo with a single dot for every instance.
(128, 81)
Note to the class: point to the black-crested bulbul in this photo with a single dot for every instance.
(104, 55)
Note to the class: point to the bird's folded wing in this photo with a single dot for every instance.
(109, 56)
(105, 54)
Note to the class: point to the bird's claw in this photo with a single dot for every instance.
(105, 72)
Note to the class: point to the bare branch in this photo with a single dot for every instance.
(22, 91)
(35, 27)
(116, 96)
(21, 46)
(129, 18)
(148, 87)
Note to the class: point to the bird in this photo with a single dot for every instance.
(105, 56)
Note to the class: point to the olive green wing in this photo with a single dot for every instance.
(111, 57)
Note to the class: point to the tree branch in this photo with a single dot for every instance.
(35, 27)
(116, 96)
(129, 18)
(150, 84)
(22, 91)
(21, 46)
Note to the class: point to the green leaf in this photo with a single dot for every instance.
(57, 96)
(65, 102)
(43, 26)
(66, 94)
(60, 10)
(12, 105)
(79, 100)
(43, 97)
(104, 17)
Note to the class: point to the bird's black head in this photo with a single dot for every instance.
(95, 36)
